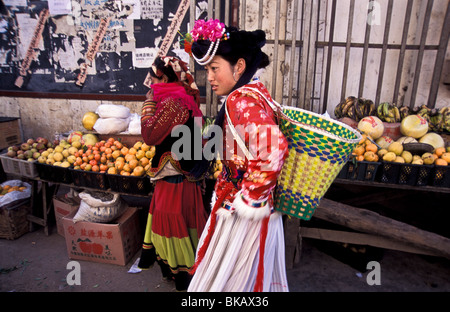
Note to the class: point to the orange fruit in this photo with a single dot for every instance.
(116, 154)
(129, 157)
(369, 156)
(140, 154)
(138, 145)
(439, 151)
(118, 144)
(138, 171)
(440, 162)
(145, 147)
(446, 156)
(119, 165)
(124, 150)
(371, 148)
(150, 153)
(143, 161)
(112, 170)
(359, 150)
(127, 168)
(132, 151)
(133, 163)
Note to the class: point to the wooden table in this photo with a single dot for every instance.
(364, 226)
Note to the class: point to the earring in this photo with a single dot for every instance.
(234, 78)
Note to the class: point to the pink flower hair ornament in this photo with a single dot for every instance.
(212, 30)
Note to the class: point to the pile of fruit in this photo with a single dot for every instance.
(5, 189)
(355, 108)
(105, 156)
(29, 150)
(438, 119)
(415, 129)
(85, 152)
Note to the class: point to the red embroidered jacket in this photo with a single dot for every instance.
(255, 122)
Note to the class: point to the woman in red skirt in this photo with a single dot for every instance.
(176, 216)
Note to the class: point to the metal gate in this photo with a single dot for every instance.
(325, 50)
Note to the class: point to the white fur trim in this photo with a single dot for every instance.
(223, 213)
(249, 212)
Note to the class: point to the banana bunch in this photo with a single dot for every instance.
(439, 120)
(388, 112)
(404, 111)
(354, 108)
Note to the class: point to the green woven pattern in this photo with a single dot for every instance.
(318, 149)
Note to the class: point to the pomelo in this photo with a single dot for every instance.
(371, 125)
(433, 139)
(89, 120)
(414, 126)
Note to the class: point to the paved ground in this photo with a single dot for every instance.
(37, 263)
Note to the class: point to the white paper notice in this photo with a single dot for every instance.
(152, 9)
(60, 7)
(144, 57)
(15, 2)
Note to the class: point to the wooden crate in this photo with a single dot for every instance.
(13, 219)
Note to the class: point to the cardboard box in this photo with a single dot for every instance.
(10, 133)
(63, 206)
(114, 243)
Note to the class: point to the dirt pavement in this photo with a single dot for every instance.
(37, 263)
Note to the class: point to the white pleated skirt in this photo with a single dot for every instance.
(231, 261)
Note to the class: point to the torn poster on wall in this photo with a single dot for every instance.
(119, 59)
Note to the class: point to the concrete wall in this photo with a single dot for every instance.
(45, 117)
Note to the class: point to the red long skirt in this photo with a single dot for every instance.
(175, 222)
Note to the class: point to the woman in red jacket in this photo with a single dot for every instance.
(176, 215)
(242, 246)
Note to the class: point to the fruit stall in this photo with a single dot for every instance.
(98, 159)
(394, 189)
(401, 150)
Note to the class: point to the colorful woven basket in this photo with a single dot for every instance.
(318, 149)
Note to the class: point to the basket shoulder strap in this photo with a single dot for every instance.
(237, 137)
(273, 104)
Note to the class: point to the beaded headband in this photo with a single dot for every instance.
(211, 30)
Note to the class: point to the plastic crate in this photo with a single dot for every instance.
(19, 167)
(389, 172)
(129, 184)
(344, 171)
(96, 180)
(440, 176)
(54, 173)
(415, 175)
(359, 170)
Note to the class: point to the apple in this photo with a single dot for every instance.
(40, 146)
(25, 146)
(36, 155)
(30, 141)
(41, 159)
(42, 140)
(11, 153)
(28, 154)
(20, 156)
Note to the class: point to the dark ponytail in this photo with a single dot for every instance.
(241, 44)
